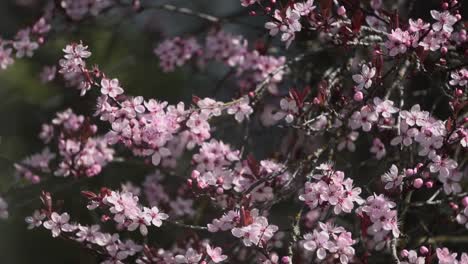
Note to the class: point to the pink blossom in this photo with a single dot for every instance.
(364, 80)
(215, 254)
(241, 110)
(378, 148)
(392, 179)
(398, 42)
(190, 257)
(445, 257)
(59, 223)
(348, 142)
(111, 87)
(35, 220)
(445, 21)
(3, 209)
(5, 57)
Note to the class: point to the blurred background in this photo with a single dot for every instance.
(122, 43)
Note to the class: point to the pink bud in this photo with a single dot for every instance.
(195, 174)
(458, 16)
(409, 172)
(219, 190)
(286, 260)
(423, 250)
(459, 92)
(341, 11)
(418, 183)
(267, 9)
(189, 182)
(453, 205)
(445, 5)
(429, 184)
(35, 179)
(252, 13)
(358, 96)
(464, 201)
(444, 50)
(220, 180)
(273, 1)
(404, 253)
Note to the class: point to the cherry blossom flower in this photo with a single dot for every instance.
(111, 87)
(335, 241)
(5, 57)
(459, 78)
(445, 21)
(462, 217)
(256, 234)
(3, 209)
(248, 2)
(415, 116)
(156, 215)
(384, 107)
(364, 80)
(59, 223)
(406, 135)
(364, 118)
(413, 258)
(378, 148)
(289, 108)
(48, 74)
(348, 142)
(392, 179)
(445, 257)
(215, 254)
(398, 42)
(418, 25)
(88, 234)
(35, 220)
(241, 109)
(190, 257)
(304, 8)
(443, 166)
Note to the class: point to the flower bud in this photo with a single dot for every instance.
(409, 172)
(453, 205)
(429, 184)
(418, 183)
(423, 250)
(219, 190)
(458, 92)
(286, 260)
(358, 96)
(341, 11)
(195, 174)
(404, 253)
(444, 50)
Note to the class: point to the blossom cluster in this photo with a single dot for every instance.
(250, 66)
(25, 42)
(332, 188)
(79, 152)
(380, 221)
(329, 241)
